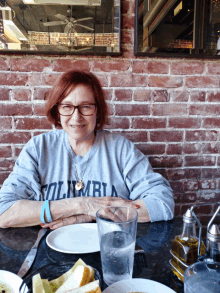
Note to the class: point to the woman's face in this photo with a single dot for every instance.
(77, 126)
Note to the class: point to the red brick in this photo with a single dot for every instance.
(211, 148)
(148, 123)
(179, 96)
(14, 137)
(208, 197)
(128, 80)
(208, 184)
(150, 67)
(127, 36)
(108, 66)
(184, 122)
(15, 109)
(151, 149)
(12, 78)
(18, 150)
(160, 96)
(211, 122)
(135, 136)
(39, 109)
(165, 81)
(4, 94)
(127, 51)
(204, 110)
(7, 164)
(32, 123)
(62, 65)
(131, 110)
(39, 93)
(103, 79)
(192, 173)
(4, 176)
(213, 68)
(186, 197)
(35, 79)
(127, 21)
(201, 135)
(21, 94)
(213, 96)
(49, 79)
(177, 186)
(118, 122)
(123, 95)
(108, 94)
(5, 151)
(142, 95)
(127, 6)
(198, 96)
(166, 135)
(166, 162)
(175, 174)
(201, 81)
(191, 148)
(27, 64)
(200, 161)
(210, 173)
(5, 123)
(177, 211)
(169, 109)
(174, 149)
(3, 64)
(110, 108)
(187, 68)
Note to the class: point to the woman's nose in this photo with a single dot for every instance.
(76, 114)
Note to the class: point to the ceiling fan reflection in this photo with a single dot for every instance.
(70, 23)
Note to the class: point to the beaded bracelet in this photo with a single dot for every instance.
(46, 208)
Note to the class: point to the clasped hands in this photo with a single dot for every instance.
(88, 206)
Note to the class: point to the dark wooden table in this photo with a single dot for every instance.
(154, 238)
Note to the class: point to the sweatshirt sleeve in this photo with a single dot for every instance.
(24, 181)
(145, 184)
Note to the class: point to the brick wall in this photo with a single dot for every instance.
(168, 107)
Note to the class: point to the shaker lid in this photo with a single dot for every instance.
(188, 217)
(214, 233)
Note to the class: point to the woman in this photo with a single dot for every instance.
(64, 176)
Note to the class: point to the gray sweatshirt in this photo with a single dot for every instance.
(113, 167)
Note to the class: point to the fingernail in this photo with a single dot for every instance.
(42, 225)
(137, 206)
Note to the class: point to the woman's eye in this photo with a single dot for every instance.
(86, 107)
(66, 107)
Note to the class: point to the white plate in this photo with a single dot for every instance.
(141, 285)
(13, 281)
(78, 238)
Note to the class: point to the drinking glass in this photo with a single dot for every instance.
(202, 277)
(117, 227)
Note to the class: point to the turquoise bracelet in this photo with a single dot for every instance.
(46, 208)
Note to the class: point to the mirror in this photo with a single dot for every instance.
(189, 28)
(60, 26)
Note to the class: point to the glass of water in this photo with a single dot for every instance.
(117, 227)
(202, 277)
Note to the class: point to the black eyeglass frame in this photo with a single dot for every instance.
(76, 107)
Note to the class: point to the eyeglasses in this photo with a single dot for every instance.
(68, 110)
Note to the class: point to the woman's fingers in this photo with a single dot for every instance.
(69, 221)
(93, 204)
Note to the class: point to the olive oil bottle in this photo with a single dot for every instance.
(185, 247)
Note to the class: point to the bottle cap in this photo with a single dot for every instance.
(214, 233)
(188, 217)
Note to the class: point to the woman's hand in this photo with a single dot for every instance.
(92, 204)
(68, 221)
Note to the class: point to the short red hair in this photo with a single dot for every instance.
(63, 87)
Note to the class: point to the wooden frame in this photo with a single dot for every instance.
(82, 27)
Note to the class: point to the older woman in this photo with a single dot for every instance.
(64, 176)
